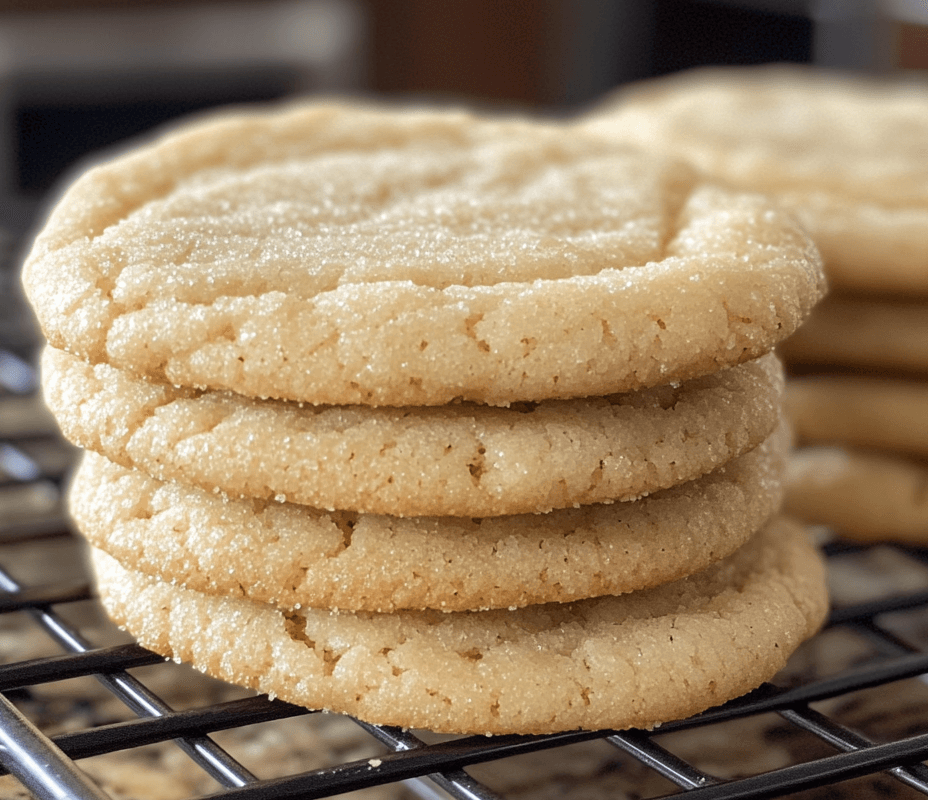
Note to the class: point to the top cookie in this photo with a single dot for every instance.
(848, 155)
(336, 254)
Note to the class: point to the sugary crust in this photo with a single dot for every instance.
(869, 497)
(848, 155)
(310, 558)
(884, 413)
(612, 662)
(459, 460)
(846, 331)
(338, 254)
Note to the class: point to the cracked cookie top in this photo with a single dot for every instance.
(847, 154)
(333, 253)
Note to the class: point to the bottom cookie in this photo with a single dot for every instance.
(864, 496)
(635, 660)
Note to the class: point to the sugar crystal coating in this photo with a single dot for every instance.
(339, 254)
(462, 460)
(310, 558)
(848, 155)
(612, 662)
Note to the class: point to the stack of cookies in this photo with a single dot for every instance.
(848, 156)
(443, 421)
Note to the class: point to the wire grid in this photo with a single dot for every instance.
(49, 766)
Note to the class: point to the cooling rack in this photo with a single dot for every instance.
(876, 641)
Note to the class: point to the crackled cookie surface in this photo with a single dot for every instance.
(332, 253)
(463, 459)
(849, 156)
(373, 562)
(613, 662)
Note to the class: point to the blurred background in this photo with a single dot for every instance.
(78, 75)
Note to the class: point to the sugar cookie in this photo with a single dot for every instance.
(884, 413)
(336, 254)
(848, 155)
(854, 332)
(866, 496)
(293, 556)
(462, 460)
(612, 662)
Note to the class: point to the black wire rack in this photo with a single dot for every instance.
(876, 637)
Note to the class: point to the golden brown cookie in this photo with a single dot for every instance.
(860, 495)
(612, 662)
(336, 253)
(884, 413)
(461, 460)
(848, 155)
(293, 556)
(856, 332)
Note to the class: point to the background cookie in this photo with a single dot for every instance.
(612, 662)
(340, 254)
(847, 332)
(848, 155)
(862, 495)
(293, 556)
(463, 459)
(883, 413)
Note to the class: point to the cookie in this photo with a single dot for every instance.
(853, 332)
(848, 155)
(883, 413)
(462, 460)
(869, 497)
(612, 662)
(341, 254)
(293, 556)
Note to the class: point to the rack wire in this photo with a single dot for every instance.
(876, 637)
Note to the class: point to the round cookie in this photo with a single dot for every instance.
(883, 413)
(310, 558)
(852, 332)
(848, 155)
(869, 497)
(461, 460)
(339, 254)
(635, 660)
